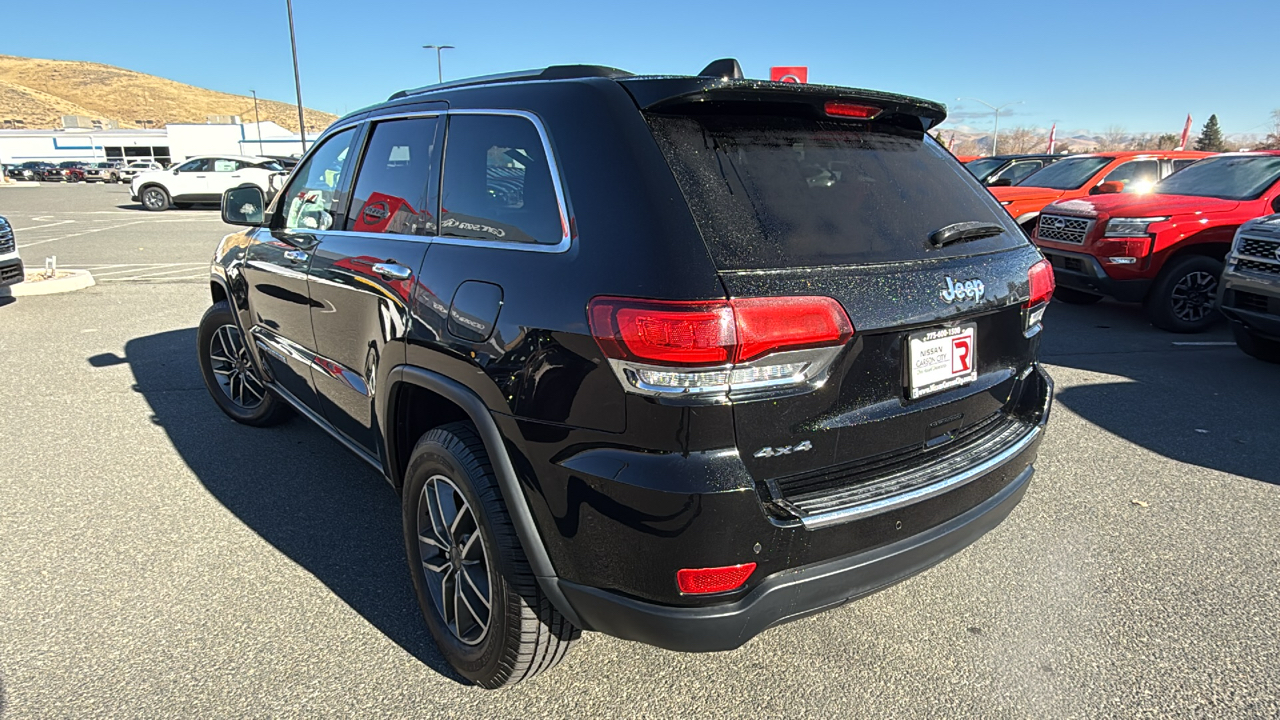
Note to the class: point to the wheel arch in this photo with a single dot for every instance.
(416, 392)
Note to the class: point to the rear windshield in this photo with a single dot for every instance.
(1230, 177)
(772, 191)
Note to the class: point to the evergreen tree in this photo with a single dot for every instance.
(1210, 139)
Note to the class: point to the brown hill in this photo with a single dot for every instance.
(39, 92)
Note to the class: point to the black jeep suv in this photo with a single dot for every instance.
(675, 359)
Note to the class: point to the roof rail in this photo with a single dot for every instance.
(555, 72)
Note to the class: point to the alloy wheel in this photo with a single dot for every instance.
(455, 561)
(153, 199)
(1192, 296)
(233, 369)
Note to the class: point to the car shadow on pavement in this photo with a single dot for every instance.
(294, 486)
(1204, 404)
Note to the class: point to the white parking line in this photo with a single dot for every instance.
(146, 268)
(37, 227)
(146, 278)
(86, 232)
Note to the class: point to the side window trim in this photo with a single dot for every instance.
(566, 237)
(360, 143)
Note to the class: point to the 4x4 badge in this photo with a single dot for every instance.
(959, 290)
(784, 450)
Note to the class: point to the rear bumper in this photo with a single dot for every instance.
(1083, 272)
(791, 593)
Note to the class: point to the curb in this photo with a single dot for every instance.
(76, 280)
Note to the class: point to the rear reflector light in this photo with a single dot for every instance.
(1040, 278)
(836, 108)
(701, 581)
(663, 346)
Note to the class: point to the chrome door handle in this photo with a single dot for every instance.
(392, 271)
(295, 255)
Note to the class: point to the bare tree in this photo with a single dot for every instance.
(1113, 138)
(1021, 140)
(1273, 136)
(1142, 141)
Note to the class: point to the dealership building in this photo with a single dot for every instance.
(173, 143)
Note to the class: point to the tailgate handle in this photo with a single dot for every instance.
(963, 232)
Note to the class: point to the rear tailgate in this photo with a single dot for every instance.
(792, 203)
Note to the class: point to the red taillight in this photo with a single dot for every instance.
(790, 323)
(836, 108)
(700, 581)
(1040, 278)
(716, 332)
(664, 332)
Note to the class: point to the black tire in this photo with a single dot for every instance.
(524, 635)
(1255, 345)
(1182, 298)
(229, 373)
(1071, 296)
(154, 198)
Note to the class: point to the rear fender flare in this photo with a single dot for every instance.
(517, 506)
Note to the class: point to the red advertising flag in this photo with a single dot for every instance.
(1186, 131)
(1053, 137)
(789, 73)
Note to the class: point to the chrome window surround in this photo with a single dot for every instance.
(566, 236)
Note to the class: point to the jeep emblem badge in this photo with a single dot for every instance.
(961, 290)
(1057, 223)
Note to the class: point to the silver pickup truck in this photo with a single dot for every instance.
(1249, 294)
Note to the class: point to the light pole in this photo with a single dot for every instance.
(257, 120)
(297, 79)
(439, 67)
(995, 139)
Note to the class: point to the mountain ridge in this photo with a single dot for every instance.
(39, 92)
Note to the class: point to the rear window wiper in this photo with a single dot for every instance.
(964, 232)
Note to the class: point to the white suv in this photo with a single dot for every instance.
(202, 180)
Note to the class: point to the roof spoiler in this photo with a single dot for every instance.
(669, 94)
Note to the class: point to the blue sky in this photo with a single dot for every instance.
(1087, 64)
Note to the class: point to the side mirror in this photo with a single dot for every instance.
(244, 206)
(1109, 187)
(1002, 182)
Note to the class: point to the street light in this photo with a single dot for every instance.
(257, 120)
(297, 79)
(439, 68)
(995, 139)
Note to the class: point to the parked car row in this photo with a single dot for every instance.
(68, 171)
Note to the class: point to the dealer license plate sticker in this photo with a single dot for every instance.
(942, 359)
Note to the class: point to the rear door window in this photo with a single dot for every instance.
(395, 188)
(497, 182)
(780, 191)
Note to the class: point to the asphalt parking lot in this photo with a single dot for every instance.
(157, 559)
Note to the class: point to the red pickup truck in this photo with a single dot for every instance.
(1164, 248)
(1093, 174)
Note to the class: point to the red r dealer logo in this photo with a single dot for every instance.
(961, 354)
